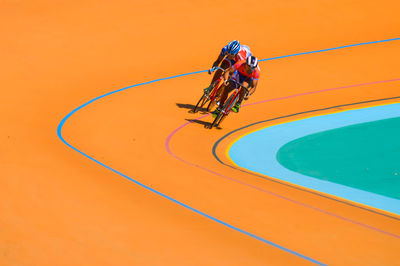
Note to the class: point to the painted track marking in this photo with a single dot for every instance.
(63, 121)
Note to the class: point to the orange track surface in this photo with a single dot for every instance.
(60, 208)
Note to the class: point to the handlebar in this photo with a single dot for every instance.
(215, 69)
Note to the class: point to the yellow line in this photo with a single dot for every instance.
(329, 113)
(293, 184)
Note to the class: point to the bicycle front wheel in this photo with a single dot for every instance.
(217, 119)
(232, 100)
(200, 103)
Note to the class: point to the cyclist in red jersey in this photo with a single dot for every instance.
(233, 52)
(245, 72)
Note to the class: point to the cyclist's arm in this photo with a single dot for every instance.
(219, 59)
(228, 73)
(253, 86)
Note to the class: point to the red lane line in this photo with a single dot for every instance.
(168, 140)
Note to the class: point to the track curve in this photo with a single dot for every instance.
(167, 145)
(59, 208)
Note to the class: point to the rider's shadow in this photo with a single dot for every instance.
(202, 111)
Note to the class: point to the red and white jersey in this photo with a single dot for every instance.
(240, 67)
(243, 53)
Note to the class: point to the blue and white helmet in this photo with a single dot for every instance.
(233, 47)
(252, 61)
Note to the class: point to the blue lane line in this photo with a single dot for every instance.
(176, 201)
(330, 49)
(60, 126)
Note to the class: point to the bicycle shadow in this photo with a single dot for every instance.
(202, 111)
(190, 108)
(199, 122)
(203, 123)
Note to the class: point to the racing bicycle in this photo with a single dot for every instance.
(229, 103)
(212, 95)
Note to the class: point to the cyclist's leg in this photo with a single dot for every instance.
(242, 92)
(224, 94)
(232, 84)
(245, 82)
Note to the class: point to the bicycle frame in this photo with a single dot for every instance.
(210, 96)
(235, 98)
(229, 103)
(219, 81)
